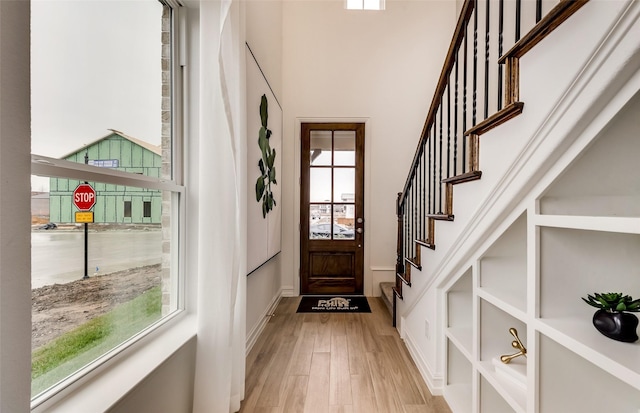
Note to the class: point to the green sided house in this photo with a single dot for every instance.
(114, 203)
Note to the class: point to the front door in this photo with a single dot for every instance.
(332, 208)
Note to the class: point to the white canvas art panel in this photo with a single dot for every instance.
(264, 152)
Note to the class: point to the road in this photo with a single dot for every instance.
(58, 256)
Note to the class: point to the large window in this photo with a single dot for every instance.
(105, 199)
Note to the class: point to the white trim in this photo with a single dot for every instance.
(60, 168)
(382, 268)
(255, 332)
(103, 386)
(624, 225)
(435, 382)
(289, 291)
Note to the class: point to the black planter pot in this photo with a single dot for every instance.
(617, 326)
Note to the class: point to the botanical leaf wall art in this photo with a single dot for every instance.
(262, 183)
(267, 163)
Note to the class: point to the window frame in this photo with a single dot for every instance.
(153, 345)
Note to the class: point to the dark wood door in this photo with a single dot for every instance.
(332, 208)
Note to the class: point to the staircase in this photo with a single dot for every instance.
(477, 91)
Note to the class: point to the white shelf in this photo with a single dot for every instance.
(512, 305)
(591, 205)
(503, 267)
(512, 288)
(460, 308)
(491, 400)
(458, 389)
(511, 392)
(458, 397)
(620, 359)
(574, 263)
(570, 383)
(462, 339)
(609, 224)
(514, 372)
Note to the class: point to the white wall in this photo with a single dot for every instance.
(167, 389)
(378, 67)
(264, 36)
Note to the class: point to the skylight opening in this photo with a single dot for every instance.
(364, 4)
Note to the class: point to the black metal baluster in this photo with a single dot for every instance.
(464, 103)
(518, 18)
(415, 215)
(407, 234)
(538, 10)
(419, 196)
(455, 120)
(440, 166)
(500, 41)
(486, 61)
(413, 219)
(429, 210)
(408, 253)
(404, 227)
(433, 201)
(475, 64)
(424, 195)
(448, 130)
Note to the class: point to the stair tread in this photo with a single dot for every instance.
(387, 294)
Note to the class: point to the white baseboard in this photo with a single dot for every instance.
(255, 332)
(435, 382)
(288, 292)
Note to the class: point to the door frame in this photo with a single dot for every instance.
(367, 276)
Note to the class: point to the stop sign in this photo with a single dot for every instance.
(84, 197)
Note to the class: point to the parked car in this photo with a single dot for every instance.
(49, 225)
(324, 230)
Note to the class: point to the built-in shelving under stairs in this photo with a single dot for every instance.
(577, 234)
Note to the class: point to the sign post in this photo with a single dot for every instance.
(84, 198)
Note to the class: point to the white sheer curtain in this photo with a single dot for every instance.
(220, 360)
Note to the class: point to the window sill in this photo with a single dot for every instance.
(106, 384)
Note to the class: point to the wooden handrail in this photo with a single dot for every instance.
(458, 37)
(556, 16)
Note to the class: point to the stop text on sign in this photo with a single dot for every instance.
(84, 197)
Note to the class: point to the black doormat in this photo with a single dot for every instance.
(334, 304)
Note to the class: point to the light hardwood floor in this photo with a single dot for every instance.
(334, 363)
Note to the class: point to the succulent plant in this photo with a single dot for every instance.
(613, 302)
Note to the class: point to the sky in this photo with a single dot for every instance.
(95, 65)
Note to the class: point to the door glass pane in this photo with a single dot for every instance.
(344, 184)
(320, 148)
(320, 185)
(343, 221)
(320, 221)
(344, 148)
